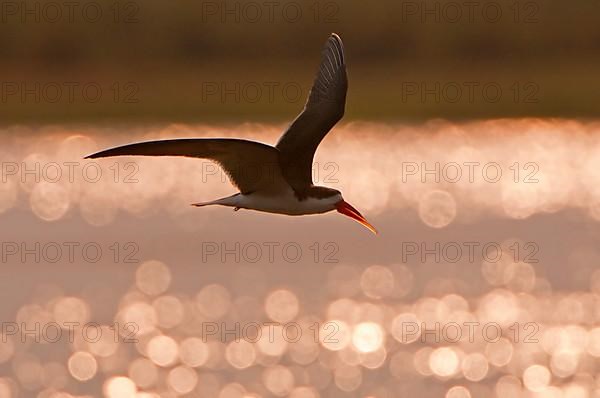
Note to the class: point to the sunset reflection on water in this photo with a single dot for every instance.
(516, 168)
(520, 324)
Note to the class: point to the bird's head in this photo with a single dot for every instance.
(335, 199)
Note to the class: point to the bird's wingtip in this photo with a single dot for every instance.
(94, 155)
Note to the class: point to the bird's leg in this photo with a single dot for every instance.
(236, 208)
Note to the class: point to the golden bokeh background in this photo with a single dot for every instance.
(470, 140)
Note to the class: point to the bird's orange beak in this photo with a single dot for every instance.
(346, 209)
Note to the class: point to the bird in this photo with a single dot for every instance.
(274, 179)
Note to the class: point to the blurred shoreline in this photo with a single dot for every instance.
(276, 92)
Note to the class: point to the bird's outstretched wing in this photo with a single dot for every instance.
(324, 108)
(251, 166)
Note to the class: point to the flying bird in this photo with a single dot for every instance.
(274, 179)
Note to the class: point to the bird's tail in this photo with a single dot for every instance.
(202, 204)
(227, 201)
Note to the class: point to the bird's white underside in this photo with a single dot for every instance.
(284, 202)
